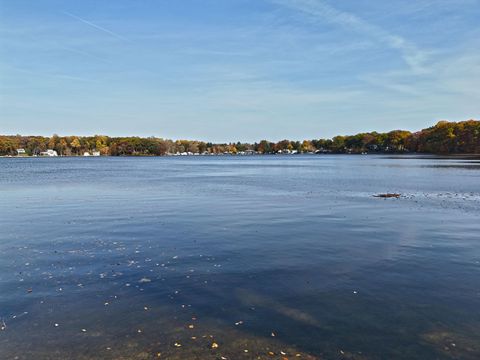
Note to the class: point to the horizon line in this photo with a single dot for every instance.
(235, 141)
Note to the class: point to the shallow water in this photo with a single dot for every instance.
(283, 257)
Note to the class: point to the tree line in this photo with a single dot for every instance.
(443, 138)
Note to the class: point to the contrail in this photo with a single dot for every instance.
(96, 26)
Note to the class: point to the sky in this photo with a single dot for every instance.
(236, 70)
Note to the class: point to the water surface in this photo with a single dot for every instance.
(267, 257)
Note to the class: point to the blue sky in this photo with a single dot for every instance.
(228, 70)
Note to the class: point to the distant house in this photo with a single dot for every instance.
(49, 152)
(86, 153)
(96, 153)
(21, 152)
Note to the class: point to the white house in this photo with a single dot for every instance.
(49, 152)
(96, 153)
(21, 152)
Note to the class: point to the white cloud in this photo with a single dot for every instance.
(412, 55)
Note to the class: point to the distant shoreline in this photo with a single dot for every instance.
(445, 138)
(405, 154)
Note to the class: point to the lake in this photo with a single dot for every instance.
(279, 257)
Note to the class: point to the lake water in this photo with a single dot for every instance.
(266, 257)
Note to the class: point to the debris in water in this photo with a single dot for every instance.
(177, 344)
(144, 280)
(18, 316)
(214, 345)
(388, 195)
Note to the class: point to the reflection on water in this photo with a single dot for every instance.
(239, 258)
